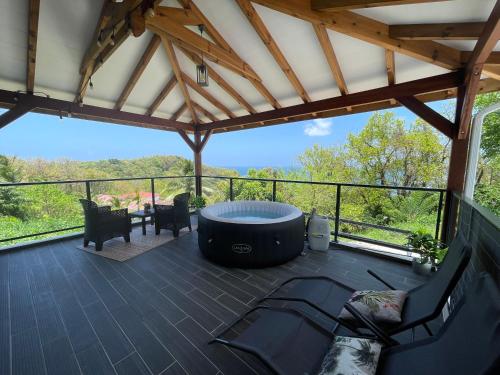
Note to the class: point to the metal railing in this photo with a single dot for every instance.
(339, 192)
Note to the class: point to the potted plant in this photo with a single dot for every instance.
(198, 202)
(431, 252)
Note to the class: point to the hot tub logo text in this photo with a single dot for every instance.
(241, 248)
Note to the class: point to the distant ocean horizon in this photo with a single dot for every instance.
(243, 170)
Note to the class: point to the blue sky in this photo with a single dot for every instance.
(48, 137)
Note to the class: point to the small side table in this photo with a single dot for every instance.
(143, 215)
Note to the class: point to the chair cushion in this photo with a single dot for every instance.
(379, 306)
(351, 356)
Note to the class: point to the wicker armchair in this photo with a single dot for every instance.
(173, 217)
(102, 224)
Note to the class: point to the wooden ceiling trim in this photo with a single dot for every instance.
(331, 58)
(369, 30)
(478, 57)
(205, 112)
(437, 31)
(219, 39)
(220, 81)
(169, 48)
(34, 12)
(209, 97)
(273, 48)
(139, 69)
(338, 5)
(162, 95)
(444, 81)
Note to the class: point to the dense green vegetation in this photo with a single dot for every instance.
(386, 152)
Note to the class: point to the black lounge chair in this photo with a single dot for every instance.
(290, 343)
(424, 303)
(103, 223)
(173, 217)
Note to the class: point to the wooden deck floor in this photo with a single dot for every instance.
(64, 311)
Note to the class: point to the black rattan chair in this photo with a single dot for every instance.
(424, 303)
(102, 224)
(290, 343)
(173, 217)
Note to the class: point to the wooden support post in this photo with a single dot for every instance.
(198, 171)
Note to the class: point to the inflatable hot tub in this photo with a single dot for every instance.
(250, 234)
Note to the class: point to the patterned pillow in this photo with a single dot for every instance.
(379, 306)
(351, 356)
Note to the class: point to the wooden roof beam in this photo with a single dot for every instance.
(56, 107)
(209, 49)
(219, 39)
(34, 12)
(169, 48)
(220, 81)
(338, 5)
(330, 56)
(486, 85)
(209, 97)
(162, 95)
(493, 58)
(435, 83)
(437, 31)
(390, 66)
(369, 30)
(188, 140)
(273, 48)
(179, 15)
(479, 56)
(139, 69)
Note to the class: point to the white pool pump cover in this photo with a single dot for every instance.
(319, 232)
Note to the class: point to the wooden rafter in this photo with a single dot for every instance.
(337, 5)
(169, 48)
(162, 95)
(486, 85)
(34, 11)
(219, 39)
(493, 58)
(427, 114)
(437, 31)
(14, 113)
(205, 112)
(139, 69)
(441, 82)
(179, 112)
(330, 56)
(209, 97)
(479, 56)
(179, 15)
(58, 107)
(220, 81)
(192, 40)
(273, 48)
(369, 30)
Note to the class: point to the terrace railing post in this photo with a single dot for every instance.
(87, 190)
(438, 219)
(337, 213)
(274, 191)
(153, 191)
(231, 192)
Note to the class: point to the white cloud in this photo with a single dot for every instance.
(319, 127)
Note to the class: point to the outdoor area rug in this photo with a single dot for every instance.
(118, 249)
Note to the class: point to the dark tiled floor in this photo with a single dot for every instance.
(65, 311)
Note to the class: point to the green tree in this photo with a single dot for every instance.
(11, 200)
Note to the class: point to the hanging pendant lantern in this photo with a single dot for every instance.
(201, 69)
